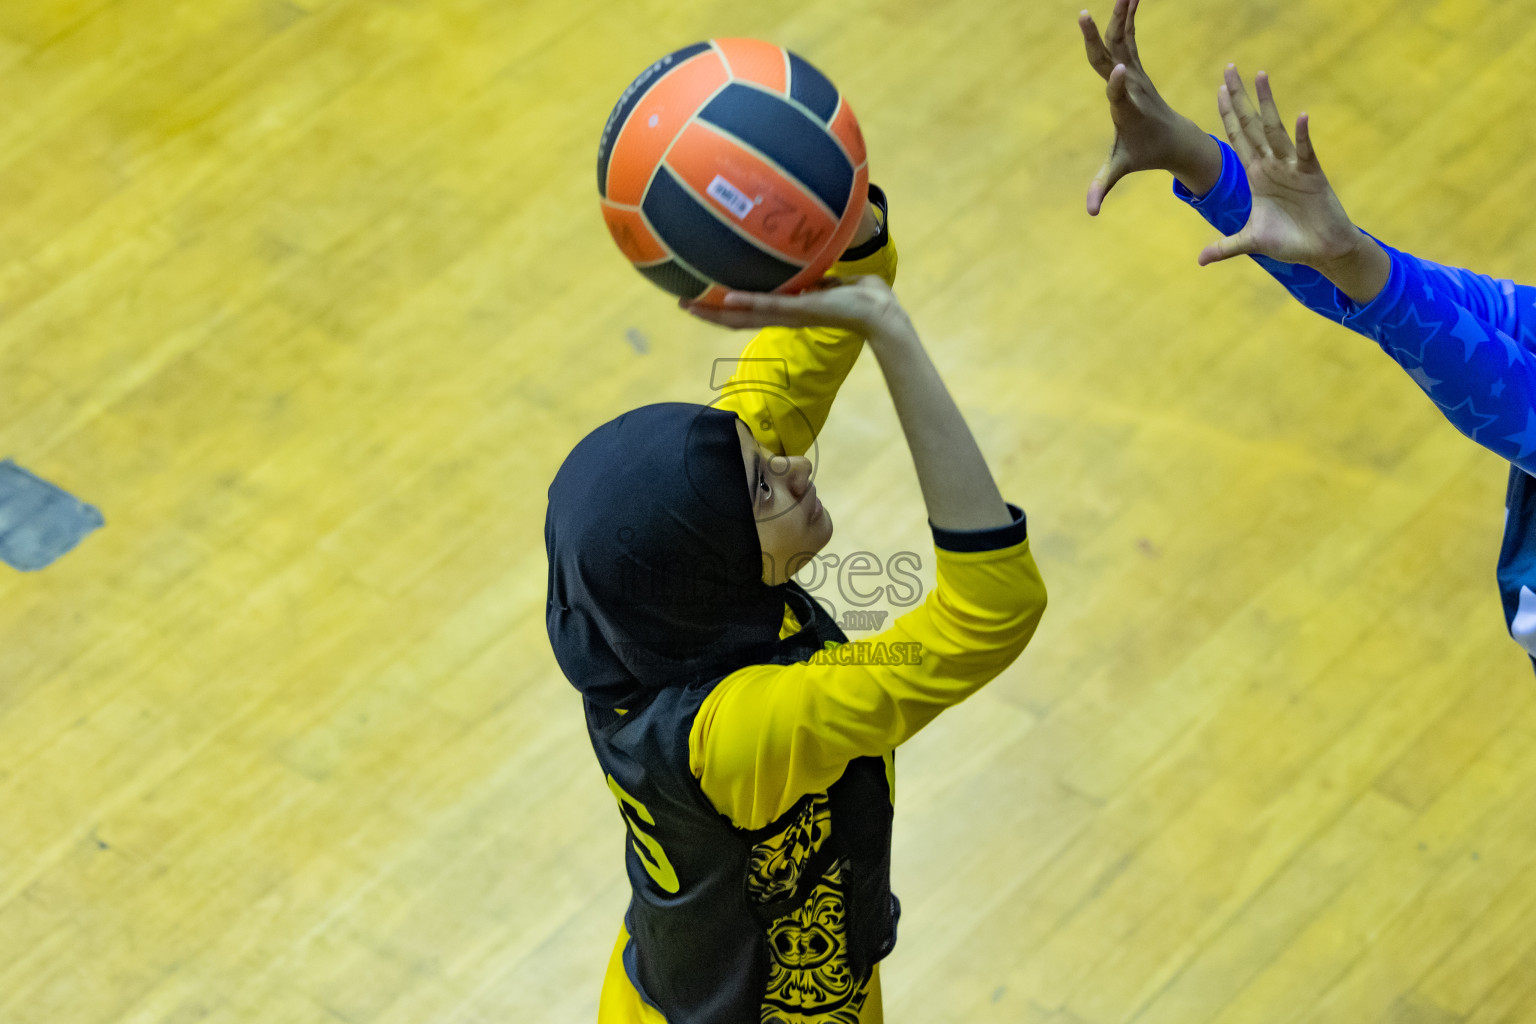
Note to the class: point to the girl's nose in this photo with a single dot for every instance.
(799, 475)
(794, 471)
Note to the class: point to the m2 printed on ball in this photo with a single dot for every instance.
(732, 164)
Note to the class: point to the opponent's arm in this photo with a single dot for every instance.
(1450, 329)
(1432, 320)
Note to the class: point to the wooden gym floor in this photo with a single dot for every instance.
(310, 298)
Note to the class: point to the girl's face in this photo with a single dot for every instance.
(791, 524)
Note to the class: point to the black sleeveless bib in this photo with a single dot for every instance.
(705, 895)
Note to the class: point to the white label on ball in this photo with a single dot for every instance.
(730, 197)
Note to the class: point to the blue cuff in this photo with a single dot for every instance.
(1370, 318)
(990, 538)
(1229, 202)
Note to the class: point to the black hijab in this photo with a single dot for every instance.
(655, 571)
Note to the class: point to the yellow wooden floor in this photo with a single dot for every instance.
(311, 297)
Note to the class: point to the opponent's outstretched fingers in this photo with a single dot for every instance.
(1115, 166)
(1115, 89)
(1247, 119)
(1105, 180)
(1098, 53)
(1269, 115)
(1109, 175)
(1235, 134)
(1304, 151)
(1114, 32)
(1130, 30)
(1226, 247)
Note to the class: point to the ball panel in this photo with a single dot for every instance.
(670, 277)
(846, 127)
(631, 95)
(752, 193)
(655, 121)
(836, 245)
(810, 87)
(754, 60)
(788, 137)
(714, 296)
(633, 235)
(687, 226)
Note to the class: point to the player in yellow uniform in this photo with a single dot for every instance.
(748, 745)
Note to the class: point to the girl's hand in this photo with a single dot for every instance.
(864, 305)
(1296, 216)
(1149, 134)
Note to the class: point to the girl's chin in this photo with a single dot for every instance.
(818, 530)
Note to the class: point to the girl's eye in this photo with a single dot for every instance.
(763, 490)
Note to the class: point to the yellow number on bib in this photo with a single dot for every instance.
(651, 854)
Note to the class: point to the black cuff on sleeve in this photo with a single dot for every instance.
(874, 245)
(992, 538)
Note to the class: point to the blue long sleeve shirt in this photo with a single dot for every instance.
(1467, 340)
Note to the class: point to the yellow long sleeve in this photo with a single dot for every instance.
(769, 734)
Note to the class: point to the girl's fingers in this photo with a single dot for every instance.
(712, 314)
(764, 304)
(1240, 143)
(1269, 115)
(1247, 120)
(1098, 55)
(1304, 141)
(736, 309)
(739, 310)
(819, 305)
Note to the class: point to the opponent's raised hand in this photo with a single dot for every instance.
(1296, 216)
(1149, 134)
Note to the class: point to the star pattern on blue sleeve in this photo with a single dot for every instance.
(1466, 417)
(1400, 338)
(1526, 438)
(1468, 331)
(1309, 288)
(1423, 379)
(1513, 353)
